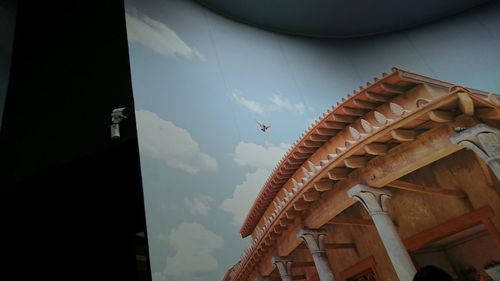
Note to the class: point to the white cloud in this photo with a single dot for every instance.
(161, 237)
(248, 104)
(261, 157)
(280, 103)
(199, 205)
(301, 108)
(158, 276)
(162, 140)
(258, 156)
(244, 195)
(158, 37)
(194, 246)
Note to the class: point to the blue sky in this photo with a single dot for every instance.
(200, 81)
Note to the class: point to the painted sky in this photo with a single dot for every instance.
(200, 83)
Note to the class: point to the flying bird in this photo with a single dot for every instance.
(263, 126)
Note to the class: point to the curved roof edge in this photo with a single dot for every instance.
(309, 141)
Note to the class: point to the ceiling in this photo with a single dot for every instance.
(337, 18)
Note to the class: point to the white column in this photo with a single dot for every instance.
(484, 140)
(374, 200)
(314, 239)
(284, 265)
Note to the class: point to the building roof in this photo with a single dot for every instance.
(332, 122)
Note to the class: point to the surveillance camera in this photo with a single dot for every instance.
(117, 115)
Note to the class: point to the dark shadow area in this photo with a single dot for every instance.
(71, 197)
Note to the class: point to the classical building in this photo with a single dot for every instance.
(400, 174)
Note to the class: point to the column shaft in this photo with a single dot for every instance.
(323, 267)
(396, 250)
(374, 200)
(314, 240)
(284, 265)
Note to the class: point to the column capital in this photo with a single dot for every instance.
(373, 199)
(482, 139)
(314, 238)
(284, 265)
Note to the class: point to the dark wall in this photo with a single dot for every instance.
(70, 197)
(69, 70)
(7, 23)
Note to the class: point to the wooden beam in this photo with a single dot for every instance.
(278, 228)
(392, 88)
(327, 131)
(343, 118)
(378, 97)
(355, 162)
(284, 221)
(365, 104)
(299, 155)
(351, 221)
(353, 111)
(339, 246)
(441, 116)
(407, 157)
(289, 241)
(266, 267)
(311, 196)
(358, 267)
(306, 150)
(334, 125)
(376, 148)
(331, 246)
(300, 205)
(465, 103)
(323, 185)
(294, 162)
(404, 135)
(448, 228)
(425, 189)
(337, 173)
(291, 214)
(310, 143)
(298, 264)
(319, 138)
(332, 203)
(488, 113)
(492, 230)
(274, 234)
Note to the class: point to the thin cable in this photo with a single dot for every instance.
(219, 66)
(420, 55)
(292, 74)
(353, 66)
